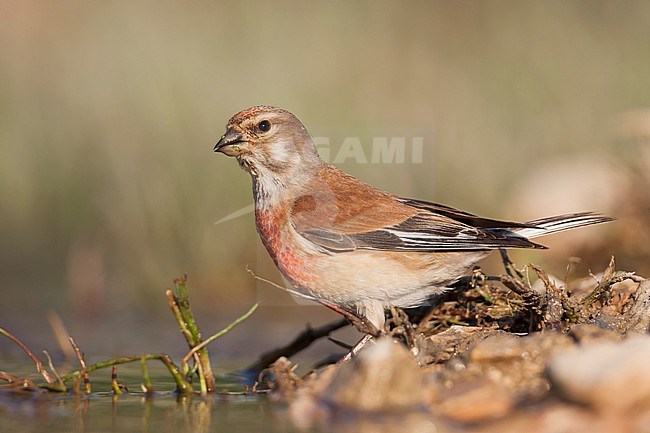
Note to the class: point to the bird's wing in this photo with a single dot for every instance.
(462, 216)
(344, 214)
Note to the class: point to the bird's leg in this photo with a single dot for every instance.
(355, 349)
(361, 323)
(508, 265)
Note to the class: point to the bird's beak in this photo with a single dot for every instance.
(230, 143)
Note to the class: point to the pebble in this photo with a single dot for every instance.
(476, 402)
(609, 376)
(383, 377)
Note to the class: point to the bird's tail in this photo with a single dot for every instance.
(546, 226)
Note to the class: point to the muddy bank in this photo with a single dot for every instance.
(496, 355)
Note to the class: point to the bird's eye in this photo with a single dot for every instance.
(264, 126)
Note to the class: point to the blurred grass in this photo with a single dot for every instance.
(108, 112)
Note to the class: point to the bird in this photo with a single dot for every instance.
(352, 247)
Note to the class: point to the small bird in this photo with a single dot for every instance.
(352, 247)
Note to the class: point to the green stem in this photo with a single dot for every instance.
(181, 309)
(145, 375)
(221, 333)
(182, 385)
(114, 384)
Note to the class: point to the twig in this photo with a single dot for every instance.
(530, 297)
(39, 365)
(59, 386)
(18, 383)
(220, 333)
(558, 303)
(401, 326)
(277, 286)
(532, 300)
(609, 278)
(301, 342)
(340, 343)
(603, 285)
(485, 295)
(84, 372)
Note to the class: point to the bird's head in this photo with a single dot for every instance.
(268, 141)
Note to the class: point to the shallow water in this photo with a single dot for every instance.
(164, 411)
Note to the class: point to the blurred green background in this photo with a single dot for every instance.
(109, 111)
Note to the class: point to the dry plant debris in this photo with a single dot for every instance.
(490, 354)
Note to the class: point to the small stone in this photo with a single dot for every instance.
(609, 376)
(589, 333)
(499, 347)
(383, 377)
(638, 315)
(476, 402)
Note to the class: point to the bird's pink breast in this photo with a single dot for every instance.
(273, 230)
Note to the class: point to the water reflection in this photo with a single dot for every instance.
(160, 412)
(167, 412)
